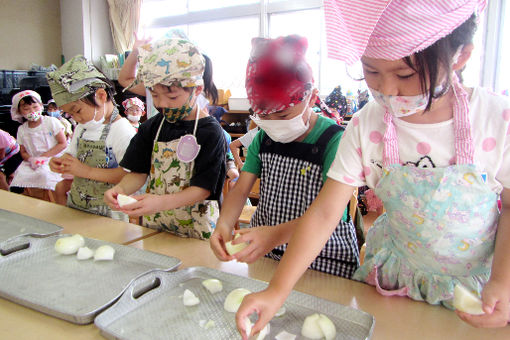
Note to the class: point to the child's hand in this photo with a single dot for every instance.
(56, 164)
(232, 173)
(265, 303)
(110, 197)
(147, 204)
(140, 42)
(260, 243)
(496, 304)
(72, 165)
(219, 237)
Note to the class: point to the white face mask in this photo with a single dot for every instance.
(284, 131)
(133, 119)
(404, 106)
(93, 123)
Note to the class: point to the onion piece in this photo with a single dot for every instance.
(84, 253)
(207, 324)
(69, 245)
(283, 335)
(465, 301)
(318, 326)
(190, 299)
(327, 327)
(125, 200)
(247, 326)
(234, 299)
(213, 285)
(261, 335)
(104, 253)
(235, 248)
(280, 311)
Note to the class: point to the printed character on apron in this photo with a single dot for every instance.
(87, 194)
(171, 172)
(440, 225)
(291, 178)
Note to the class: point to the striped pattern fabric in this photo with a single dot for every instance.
(391, 29)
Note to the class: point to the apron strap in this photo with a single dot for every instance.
(106, 129)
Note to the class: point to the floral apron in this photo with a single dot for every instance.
(87, 194)
(440, 225)
(169, 175)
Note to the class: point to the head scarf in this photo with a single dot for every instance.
(170, 61)
(134, 101)
(391, 29)
(75, 80)
(15, 114)
(277, 75)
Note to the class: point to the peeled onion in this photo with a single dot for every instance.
(125, 200)
(467, 302)
(84, 253)
(190, 299)
(235, 248)
(69, 245)
(234, 299)
(261, 335)
(283, 335)
(318, 326)
(104, 253)
(247, 326)
(213, 285)
(207, 324)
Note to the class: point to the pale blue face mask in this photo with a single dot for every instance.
(55, 114)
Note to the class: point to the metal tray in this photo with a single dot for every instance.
(152, 308)
(36, 276)
(13, 225)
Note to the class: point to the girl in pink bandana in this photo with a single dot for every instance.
(435, 152)
(134, 110)
(40, 137)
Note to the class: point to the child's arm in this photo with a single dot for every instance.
(304, 245)
(127, 73)
(71, 165)
(234, 147)
(23, 152)
(151, 203)
(496, 293)
(59, 147)
(230, 211)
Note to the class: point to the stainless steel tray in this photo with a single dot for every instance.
(152, 308)
(13, 225)
(36, 276)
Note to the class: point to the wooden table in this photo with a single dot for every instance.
(74, 221)
(396, 318)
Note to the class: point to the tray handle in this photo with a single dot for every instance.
(144, 285)
(13, 246)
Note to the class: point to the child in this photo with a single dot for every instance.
(40, 137)
(436, 157)
(181, 150)
(10, 158)
(134, 109)
(54, 112)
(291, 155)
(99, 141)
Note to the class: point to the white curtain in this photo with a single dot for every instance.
(124, 20)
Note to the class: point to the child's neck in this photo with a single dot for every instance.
(108, 113)
(32, 124)
(193, 114)
(312, 121)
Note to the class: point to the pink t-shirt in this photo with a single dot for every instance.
(6, 140)
(358, 160)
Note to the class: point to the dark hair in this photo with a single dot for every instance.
(209, 87)
(53, 105)
(27, 100)
(91, 98)
(438, 57)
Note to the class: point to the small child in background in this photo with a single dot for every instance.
(40, 137)
(99, 141)
(10, 158)
(134, 109)
(53, 111)
(291, 154)
(181, 149)
(243, 141)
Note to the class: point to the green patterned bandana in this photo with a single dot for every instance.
(75, 80)
(173, 114)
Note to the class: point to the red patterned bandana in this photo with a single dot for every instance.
(277, 75)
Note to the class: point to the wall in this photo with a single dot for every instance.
(86, 29)
(30, 33)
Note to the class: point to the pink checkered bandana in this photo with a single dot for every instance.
(391, 29)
